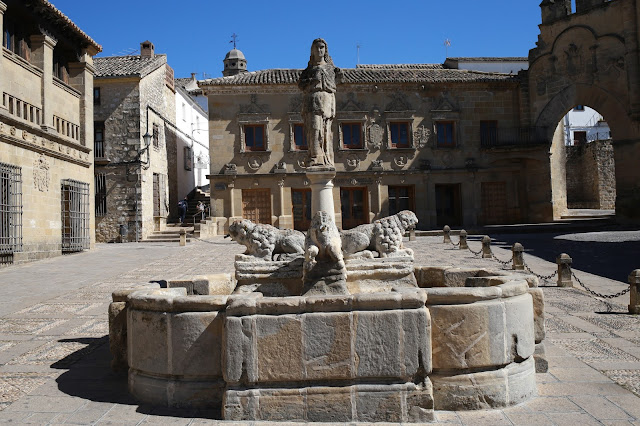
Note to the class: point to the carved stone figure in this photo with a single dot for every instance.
(383, 236)
(318, 82)
(267, 242)
(324, 270)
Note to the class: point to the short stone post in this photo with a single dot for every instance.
(183, 237)
(564, 270)
(634, 294)
(463, 240)
(412, 234)
(518, 257)
(447, 234)
(486, 247)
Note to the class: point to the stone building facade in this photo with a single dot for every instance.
(46, 133)
(444, 142)
(591, 177)
(134, 96)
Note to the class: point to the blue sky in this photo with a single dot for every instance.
(195, 34)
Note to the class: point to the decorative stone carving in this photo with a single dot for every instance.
(324, 270)
(253, 107)
(254, 163)
(12, 131)
(352, 161)
(425, 165)
(376, 135)
(614, 66)
(421, 136)
(230, 169)
(351, 104)
(400, 160)
(574, 60)
(384, 236)
(377, 165)
(398, 102)
(318, 82)
(25, 135)
(281, 167)
(41, 176)
(267, 242)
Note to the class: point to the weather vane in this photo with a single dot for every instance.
(234, 38)
(447, 45)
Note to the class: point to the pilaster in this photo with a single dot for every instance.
(3, 8)
(42, 46)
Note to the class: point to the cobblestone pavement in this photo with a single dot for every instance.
(54, 355)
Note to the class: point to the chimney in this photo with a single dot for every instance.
(147, 50)
(193, 76)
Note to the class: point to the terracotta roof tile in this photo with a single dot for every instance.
(412, 73)
(123, 66)
(71, 24)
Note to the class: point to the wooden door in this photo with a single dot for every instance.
(301, 202)
(354, 207)
(256, 205)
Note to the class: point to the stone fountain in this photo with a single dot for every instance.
(331, 326)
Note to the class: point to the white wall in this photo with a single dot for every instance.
(588, 120)
(192, 122)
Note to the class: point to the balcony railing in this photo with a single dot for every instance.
(21, 109)
(513, 136)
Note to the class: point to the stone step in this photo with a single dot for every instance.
(163, 240)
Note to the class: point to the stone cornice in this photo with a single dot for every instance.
(18, 133)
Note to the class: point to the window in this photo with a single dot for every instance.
(579, 138)
(101, 194)
(96, 96)
(445, 134)
(399, 133)
(98, 139)
(254, 137)
(156, 136)
(354, 207)
(10, 211)
(188, 158)
(299, 137)
(400, 198)
(301, 205)
(579, 108)
(60, 68)
(16, 41)
(351, 135)
(75, 215)
(488, 133)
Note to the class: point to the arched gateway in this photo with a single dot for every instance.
(590, 57)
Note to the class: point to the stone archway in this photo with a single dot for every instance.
(590, 57)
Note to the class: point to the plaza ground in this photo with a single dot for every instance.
(54, 351)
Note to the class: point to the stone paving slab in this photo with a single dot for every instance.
(54, 355)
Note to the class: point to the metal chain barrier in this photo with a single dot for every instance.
(204, 241)
(476, 253)
(546, 278)
(503, 262)
(604, 296)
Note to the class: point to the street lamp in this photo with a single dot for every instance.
(147, 142)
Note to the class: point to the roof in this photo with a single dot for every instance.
(127, 66)
(492, 59)
(65, 21)
(417, 73)
(183, 82)
(234, 54)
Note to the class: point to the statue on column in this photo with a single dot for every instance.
(318, 82)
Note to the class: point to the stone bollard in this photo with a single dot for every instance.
(518, 257)
(183, 237)
(486, 247)
(463, 240)
(447, 234)
(634, 294)
(412, 234)
(564, 270)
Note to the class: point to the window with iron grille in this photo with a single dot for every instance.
(101, 194)
(75, 215)
(98, 139)
(10, 211)
(156, 136)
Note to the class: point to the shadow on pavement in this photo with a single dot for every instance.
(613, 260)
(89, 376)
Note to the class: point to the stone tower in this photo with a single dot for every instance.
(234, 63)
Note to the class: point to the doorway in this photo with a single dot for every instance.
(354, 207)
(448, 209)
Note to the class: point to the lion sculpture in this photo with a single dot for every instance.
(267, 242)
(324, 270)
(383, 236)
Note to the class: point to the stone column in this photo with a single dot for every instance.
(42, 46)
(518, 257)
(446, 231)
(232, 204)
(486, 247)
(564, 270)
(634, 295)
(81, 78)
(3, 8)
(463, 240)
(322, 192)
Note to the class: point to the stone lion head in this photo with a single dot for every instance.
(408, 219)
(240, 230)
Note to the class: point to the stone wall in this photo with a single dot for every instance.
(591, 176)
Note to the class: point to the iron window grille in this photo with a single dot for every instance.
(75, 216)
(101, 194)
(10, 211)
